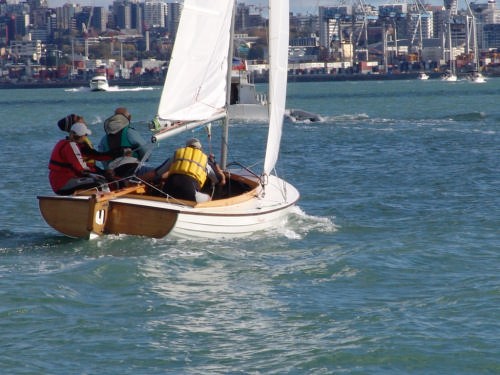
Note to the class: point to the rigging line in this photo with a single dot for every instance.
(166, 195)
(136, 179)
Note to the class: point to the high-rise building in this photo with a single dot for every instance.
(122, 14)
(155, 13)
(136, 16)
(173, 17)
(99, 19)
(65, 16)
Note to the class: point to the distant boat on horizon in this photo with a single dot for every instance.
(99, 83)
(246, 103)
(423, 76)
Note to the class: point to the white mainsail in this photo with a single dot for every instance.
(278, 57)
(195, 87)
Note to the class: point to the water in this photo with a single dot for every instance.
(389, 266)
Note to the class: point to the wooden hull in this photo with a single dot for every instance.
(138, 214)
(83, 217)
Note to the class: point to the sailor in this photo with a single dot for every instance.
(65, 125)
(68, 170)
(187, 172)
(66, 122)
(124, 141)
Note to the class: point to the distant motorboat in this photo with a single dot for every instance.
(246, 102)
(423, 76)
(299, 115)
(99, 83)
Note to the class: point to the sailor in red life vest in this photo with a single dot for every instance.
(68, 170)
(65, 125)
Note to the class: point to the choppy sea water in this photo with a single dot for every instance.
(390, 264)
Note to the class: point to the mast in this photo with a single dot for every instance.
(473, 30)
(451, 12)
(452, 57)
(225, 128)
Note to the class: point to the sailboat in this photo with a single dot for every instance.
(450, 75)
(195, 94)
(475, 76)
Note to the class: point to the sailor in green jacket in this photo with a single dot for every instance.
(122, 139)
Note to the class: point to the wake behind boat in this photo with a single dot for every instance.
(194, 96)
(99, 83)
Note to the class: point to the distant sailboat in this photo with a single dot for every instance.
(475, 76)
(450, 75)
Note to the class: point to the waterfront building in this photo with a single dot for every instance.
(349, 33)
(248, 16)
(27, 49)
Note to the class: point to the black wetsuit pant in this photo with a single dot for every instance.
(181, 186)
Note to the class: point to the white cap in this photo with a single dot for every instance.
(80, 129)
(193, 142)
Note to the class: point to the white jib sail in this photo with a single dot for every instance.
(278, 70)
(195, 87)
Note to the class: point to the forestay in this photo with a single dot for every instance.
(195, 87)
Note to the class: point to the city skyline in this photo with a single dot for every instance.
(296, 6)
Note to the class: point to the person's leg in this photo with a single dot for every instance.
(180, 186)
(81, 183)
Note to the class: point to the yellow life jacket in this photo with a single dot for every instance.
(192, 162)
